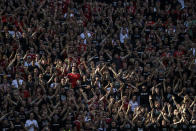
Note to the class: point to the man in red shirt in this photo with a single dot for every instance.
(179, 52)
(73, 77)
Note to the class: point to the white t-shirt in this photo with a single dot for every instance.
(194, 52)
(16, 34)
(12, 33)
(113, 89)
(15, 83)
(53, 85)
(123, 36)
(84, 37)
(71, 15)
(133, 105)
(29, 123)
(26, 64)
(182, 3)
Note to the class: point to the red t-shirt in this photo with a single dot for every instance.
(178, 53)
(77, 60)
(82, 48)
(73, 78)
(108, 120)
(60, 73)
(150, 23)
(126, 104)
(87, 14)
(132, 9)
(32, 56)
(4, 19)
(165, 54)
(77, 123)
(3, 63)
(26, 94)
(65, 6)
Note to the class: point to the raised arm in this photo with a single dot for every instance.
(151, 103)
(173, 98)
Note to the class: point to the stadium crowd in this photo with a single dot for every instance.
(97, 65)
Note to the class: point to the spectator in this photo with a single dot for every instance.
(31, 124)
(17, 81)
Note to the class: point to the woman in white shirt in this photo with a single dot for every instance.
(133, 102)
(31, 124)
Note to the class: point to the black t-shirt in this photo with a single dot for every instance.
(127, 127)
(89, 93)
(85, 83)
(181, 37)
(22, 116)
(184, 126)
(116, 128)
(136, 36)
(168, 97)
(88, 129)
(5, 127)
(23, 43)
(44, 66)
(113, 129)
(65, 122)
(154, 127)
(139, 128)
(11, 118)
(65, 86)
(193, 127)
(46, 76)
(56, 119)
(30, 86)
(164, 128)
(117, 61)
(43, 123)
(144, 95)
(146, 74)
(55, 126)
(18, 126)
(175, 127)
(31, 68)
(157, 97)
